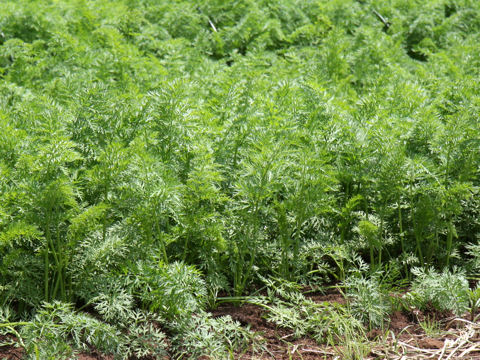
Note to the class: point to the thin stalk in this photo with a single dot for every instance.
(344, 223)
(46, 259)
(449, 242)
(57, 285)
(372, 256)
(185, 248)
(60, 266)
(12, 324)
(402, 240)
(104, 225)
(381, 233)
(57, 265)
(418, 240)
(236, 275)
(284, 235)
(162, 243)
(296, 244)
(450, 225)
(69, 288)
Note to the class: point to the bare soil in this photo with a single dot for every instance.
(9, 352)
(278, 343)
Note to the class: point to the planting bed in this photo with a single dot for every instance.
(403, 337)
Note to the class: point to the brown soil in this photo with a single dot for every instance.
(403, 326)
(277, 344)
(429, 343)
(398, 321)
(9, 352)
(94, 356)
(331, 296)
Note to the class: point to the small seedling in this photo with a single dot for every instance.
(431, 327)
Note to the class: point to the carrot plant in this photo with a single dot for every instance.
(151, 146)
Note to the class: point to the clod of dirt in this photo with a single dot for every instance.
(429, 343)
(331, 296)
(398, 321)
(246, 314)
(10, 352)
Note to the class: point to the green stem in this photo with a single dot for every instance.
(104, 225)
(246, 276)
(57, 285)
(449, 242)
(402, 240)
(58, 267)
(372, 256)
(418, 240)
(46, 258)
(296, 247)
(61, 264)
(162, 243)
(12, 324)
(381, 234)
(185, 248)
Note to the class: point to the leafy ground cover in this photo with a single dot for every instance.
(160, 159)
